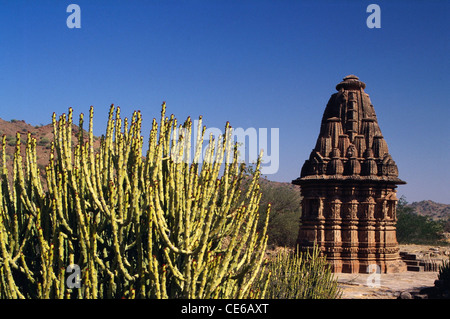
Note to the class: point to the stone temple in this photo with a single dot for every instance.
(348, 187)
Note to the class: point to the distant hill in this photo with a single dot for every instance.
(431, 209)
(42, 133)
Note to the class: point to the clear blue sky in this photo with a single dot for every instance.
(261, 64)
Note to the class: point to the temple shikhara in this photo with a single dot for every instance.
(348, 186)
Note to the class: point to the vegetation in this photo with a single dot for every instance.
(285, 210)
(297, 275)
(416, 229)
(44, 141)
(446, 224)
(285, 213)
(444, 273)
(156, 225)
(11, 140)
(135, 226)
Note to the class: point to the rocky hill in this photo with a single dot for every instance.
(42, 133)
(431, 209)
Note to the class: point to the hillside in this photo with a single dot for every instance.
(42, 133)
(435, 211)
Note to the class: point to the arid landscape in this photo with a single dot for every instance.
(253, 150)
(409, 284)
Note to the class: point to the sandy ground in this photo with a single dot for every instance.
(389, 286)
(386, 286)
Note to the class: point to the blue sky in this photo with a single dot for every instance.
(261, 64)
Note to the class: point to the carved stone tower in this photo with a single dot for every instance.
(348, 187)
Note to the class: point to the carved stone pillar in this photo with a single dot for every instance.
(350, 240)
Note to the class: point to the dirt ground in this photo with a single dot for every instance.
(390, 286)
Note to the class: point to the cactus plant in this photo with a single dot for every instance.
(154, 225)
(300, 275)
(444, 274)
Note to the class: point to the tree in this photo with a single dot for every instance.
(414, 228)
(285, 212)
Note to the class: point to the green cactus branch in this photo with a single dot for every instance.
(154, 225)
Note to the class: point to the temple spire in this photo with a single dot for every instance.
(349, 121)
(348, 187)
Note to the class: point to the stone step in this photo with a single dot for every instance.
(412, 262)
(431, 265)
(408, 256)
(416, 262)
(414, 268)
